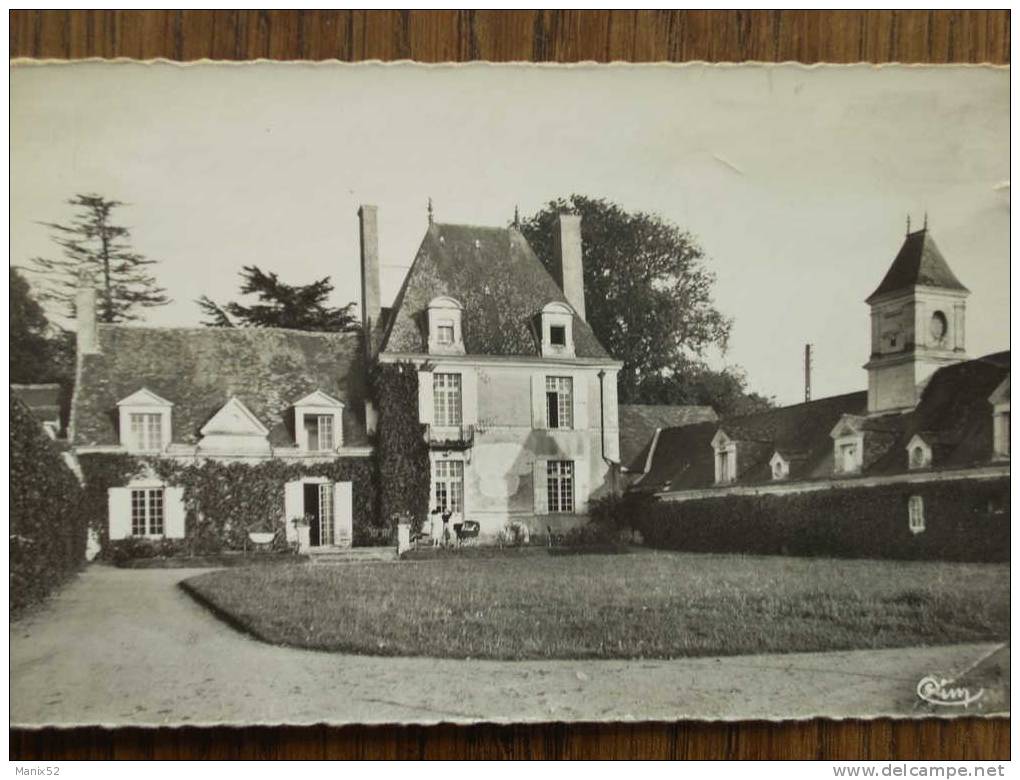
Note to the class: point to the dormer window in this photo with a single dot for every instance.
(918, 453)
(444, 324)
(144, 422)
(557, 330)
(725, 458)
(848, 445)
(318, 422)
(780, 467)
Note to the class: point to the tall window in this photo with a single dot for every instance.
(147, 512)
(449, 482)
(560, 485)
(447, 397)
(146, 431)
(321, 432)
(915, 511)
(559, 391)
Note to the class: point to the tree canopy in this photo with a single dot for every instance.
(648, 295)
(280, 305)
(97, 252)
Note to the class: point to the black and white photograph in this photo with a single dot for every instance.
(415, 394)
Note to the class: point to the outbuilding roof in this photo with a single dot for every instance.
(199, 370)
(639, 422)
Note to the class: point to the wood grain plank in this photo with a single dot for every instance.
(563, 36)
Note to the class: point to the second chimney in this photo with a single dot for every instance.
(85, 319)
(370, 304)
(568, 266)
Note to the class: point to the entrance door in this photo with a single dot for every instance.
(326, 515)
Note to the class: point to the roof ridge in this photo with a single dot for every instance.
(223, 328)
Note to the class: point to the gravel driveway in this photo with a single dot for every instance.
(127, 647)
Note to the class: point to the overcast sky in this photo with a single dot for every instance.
(796, 181)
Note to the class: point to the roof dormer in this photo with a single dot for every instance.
(557, 330)
(779, 466)
(444, 323)
(318, 423)
(919, 452)
(145, 424)
(848, 444)
(999, 399)
(725, 458)
(235, 429)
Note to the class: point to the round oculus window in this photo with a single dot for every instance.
(938, 326)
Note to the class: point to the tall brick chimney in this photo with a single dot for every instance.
(568, 266)
(370, 303)
(85, 319)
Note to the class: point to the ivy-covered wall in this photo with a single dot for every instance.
(965, 520)
(47, 525)
(401, 448)
(226, 500)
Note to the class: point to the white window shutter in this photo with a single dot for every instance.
(119, 500)
(538, 410)
(173, 512)
(581, 487)
(293, 507)
(343, 514)
(469, 396)
(580, 393)
(541, 488)
(426, 405)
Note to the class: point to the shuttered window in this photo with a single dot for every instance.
(446, 392)
(147, 512)
(559, 394)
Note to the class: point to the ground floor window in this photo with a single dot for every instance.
(147, 512)
(915, 510)
(560, 485)
(448, 477)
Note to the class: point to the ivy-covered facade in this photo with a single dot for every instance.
(211, 439)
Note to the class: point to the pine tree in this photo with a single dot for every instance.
(300, 307)
(97, 252)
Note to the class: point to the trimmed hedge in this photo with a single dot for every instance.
(48, 528)
(965, 520)
(224, 501)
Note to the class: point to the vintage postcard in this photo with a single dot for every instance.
(392, 393)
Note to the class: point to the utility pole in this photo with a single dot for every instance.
(807, 373)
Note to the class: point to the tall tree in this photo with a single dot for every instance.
(300, 307)
(648, 296)
(30, 343)
(98, 252)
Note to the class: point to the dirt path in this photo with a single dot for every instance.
(127, 647)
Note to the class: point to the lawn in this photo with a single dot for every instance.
(643, 605)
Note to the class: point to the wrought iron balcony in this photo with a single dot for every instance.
(450, 437)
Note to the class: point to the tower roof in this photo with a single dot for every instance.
(919, 262)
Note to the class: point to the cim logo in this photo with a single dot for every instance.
(942, 692)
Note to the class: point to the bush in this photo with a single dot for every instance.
(513, 534)
(47, 521)
(965, 520)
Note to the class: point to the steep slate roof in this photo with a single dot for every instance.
(199, 369)
(638, 423)
(919, 262)
(501, 284)
(954, 414)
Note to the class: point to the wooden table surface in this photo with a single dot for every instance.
(560, 36)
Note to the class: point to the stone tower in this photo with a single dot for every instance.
(918, 318)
